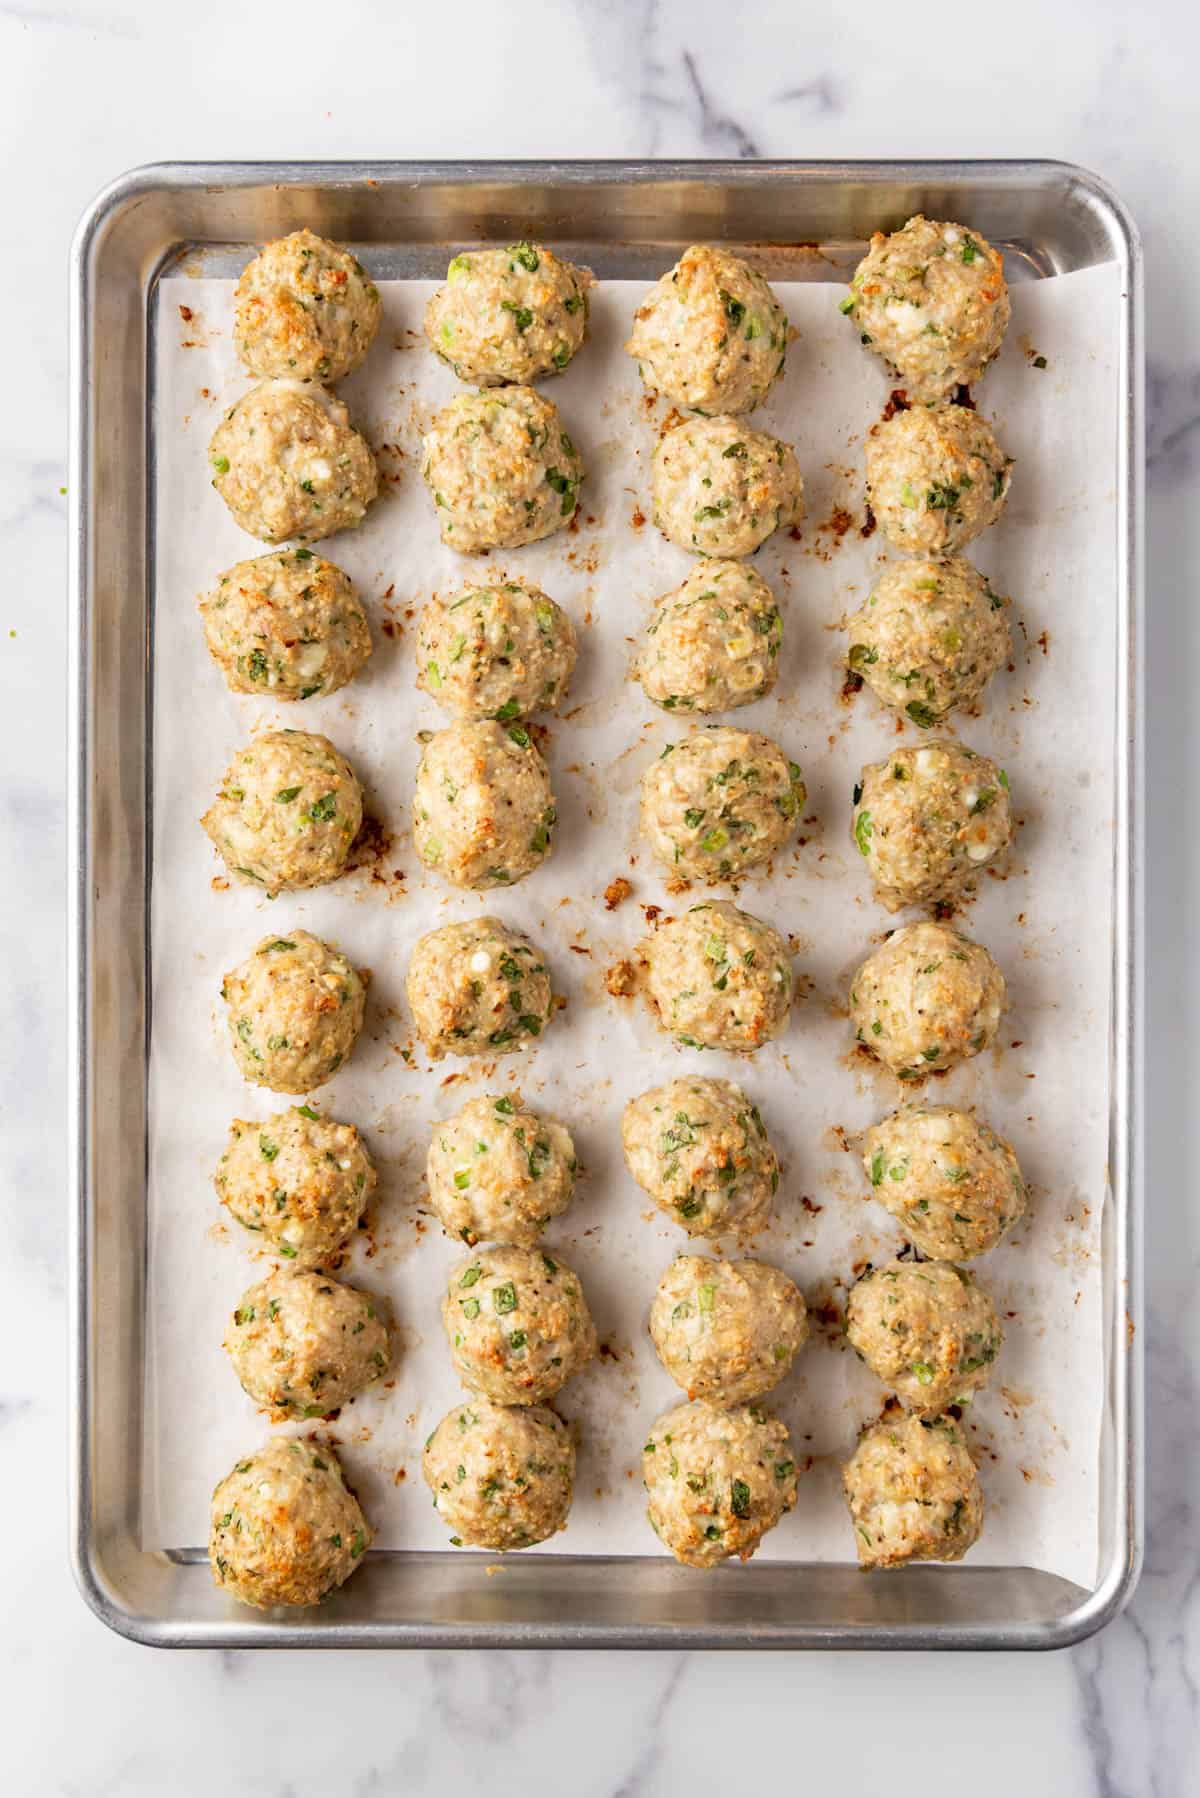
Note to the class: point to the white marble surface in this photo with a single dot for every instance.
(90, 89)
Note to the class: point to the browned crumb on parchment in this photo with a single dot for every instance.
(616, 893)
(825, 1316)
(370, 854)
(835, 1138)
(196, 328)
(621, 979)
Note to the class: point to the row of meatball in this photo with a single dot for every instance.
(930, 299)
(715, 807)
(698, 1147)
(716, 978)
(503, 472)
(287, 1529)
(291, 626)
(927, 640)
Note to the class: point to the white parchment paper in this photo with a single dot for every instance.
(1049, 721)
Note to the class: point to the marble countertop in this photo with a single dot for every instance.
(93, 87)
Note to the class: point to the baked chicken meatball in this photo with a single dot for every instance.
(304, 308)
(927, 999)
(931, 299)
(953, 1186)
(913, 1492)
(287, 812)
(935, 479)
(288, 463)
(502, 1476)
(478, 988)
(929, 638)
(295, 1010)
(717, 1480)
(710, 334)
(518, 1324)
(719, 978)
(298, 1180)
(713, 644)
(286, 1529)
(928, 819)
(721, 489)
(514, 315)
(287, 626)
(927, 1330)
(498, 1172)
(700, 1149)
(303, 1345)
(501, 469)
(483, 811)
(727, 1331)
(720, 804)
(500, 651)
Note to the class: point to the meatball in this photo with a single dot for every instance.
(501, 469)
(295, 1010)
(304, 308)
(513, 315)
(931, 299)
(913, 1492)
(286, 1529)
(499, 1172)
(300, 1181)
(710, 334)
(721, 489)
(927, 1330)
(700, 1149)
(953, 1186)
(720, 804)
(288, 626)
(502, 1476)
(935, 479)
(288, 463)
(718, 1480)
(483, 812)
(727, 1331)
(930, 637)
(500, 652)
(713, 644)
(518, 1324)
(719, 978)
(287, 812)
(479, 988)
(927, 999)
(303, 1345)
(928, 820)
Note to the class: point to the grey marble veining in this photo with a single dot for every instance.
(91, 89)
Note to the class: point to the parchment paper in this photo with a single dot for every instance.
(1049, 721)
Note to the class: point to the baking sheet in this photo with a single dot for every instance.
(1049, 721)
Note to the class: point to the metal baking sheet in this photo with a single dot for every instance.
(621, 221)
